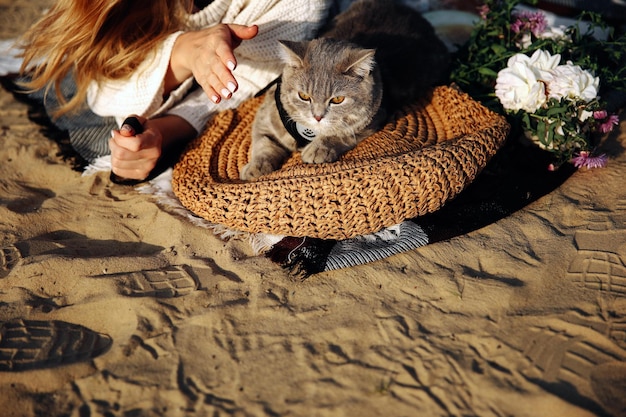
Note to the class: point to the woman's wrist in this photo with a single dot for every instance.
(178, 70)
(173, 129)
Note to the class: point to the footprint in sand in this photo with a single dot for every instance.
(610, 384)
(9, 257)
(599, 264)
(572, 361)
(174, 280)
(617, 332)
(168, 282)
(32, 344)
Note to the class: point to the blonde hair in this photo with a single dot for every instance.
(95, 40)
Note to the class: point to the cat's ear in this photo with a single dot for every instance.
(292, 53)
(360, 62)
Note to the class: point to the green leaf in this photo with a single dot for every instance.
(541, 132)
(498, 49)
(488, 72)
(553, 111)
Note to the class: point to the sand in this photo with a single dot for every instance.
(524, 317)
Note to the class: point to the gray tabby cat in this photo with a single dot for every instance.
(338, 89)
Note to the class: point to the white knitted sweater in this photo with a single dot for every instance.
(258, 61)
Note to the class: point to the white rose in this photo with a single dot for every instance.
(541, 61)
(572, 82)
(517, 86)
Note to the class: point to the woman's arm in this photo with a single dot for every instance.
(205, 54)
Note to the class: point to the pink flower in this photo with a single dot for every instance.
(483, 11)
(600, 114)
(584, 159)
(527, 21)
(609, 124)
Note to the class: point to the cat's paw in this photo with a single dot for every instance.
(253, 170)
(317, 153)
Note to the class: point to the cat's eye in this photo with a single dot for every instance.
(337, 100)
(303, 96)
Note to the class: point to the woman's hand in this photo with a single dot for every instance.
(134, 155)
(207, 54)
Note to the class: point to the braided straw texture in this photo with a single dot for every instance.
(422, 158)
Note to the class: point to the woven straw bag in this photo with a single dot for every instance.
(426, 155)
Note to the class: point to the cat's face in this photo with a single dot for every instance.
(330, 87)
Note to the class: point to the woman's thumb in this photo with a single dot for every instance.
(243, 32)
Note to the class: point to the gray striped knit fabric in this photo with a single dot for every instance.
(364, 249)
(88, 133)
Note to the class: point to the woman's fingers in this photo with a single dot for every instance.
(215, 60)
(208, 56)
(243, 33)
(134, 156)
(131, 150)
(132, 125)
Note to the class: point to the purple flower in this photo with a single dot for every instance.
(527, 21)
(584, 159)
(608, 125)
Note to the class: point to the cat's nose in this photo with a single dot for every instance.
(318, 118)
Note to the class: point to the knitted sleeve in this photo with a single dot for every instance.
(142, 93)
(257, 61)
(280, 20)
(277, 20)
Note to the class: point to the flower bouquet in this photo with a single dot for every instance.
(547, 80)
